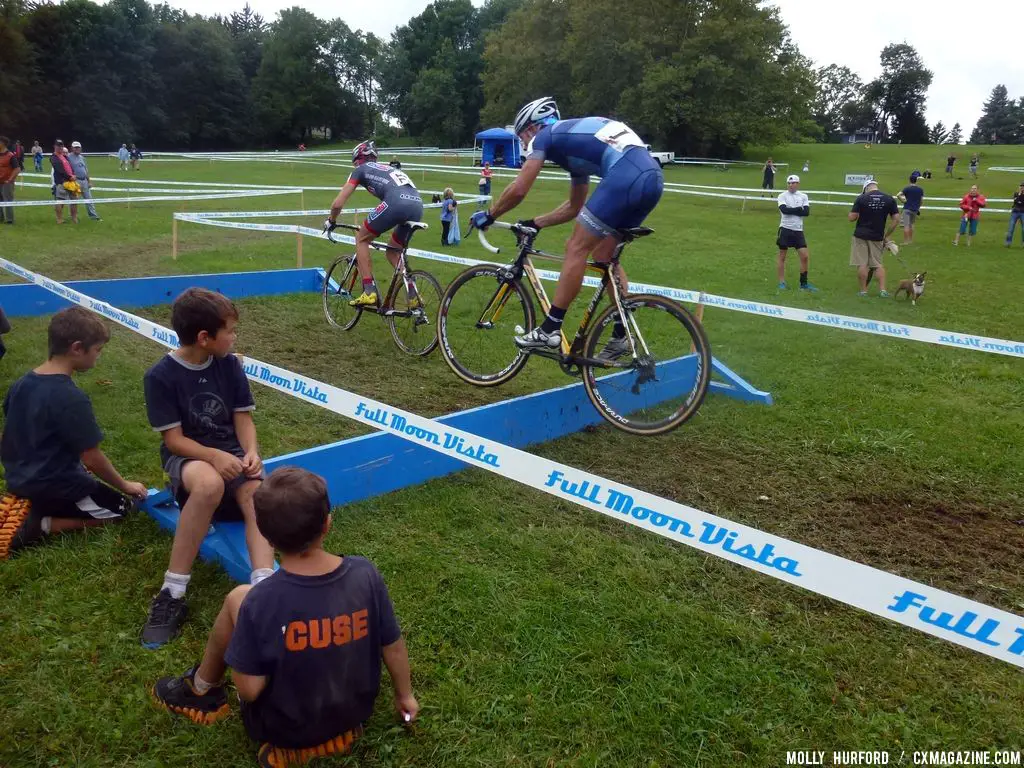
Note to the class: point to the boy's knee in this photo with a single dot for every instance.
(234, 599)
(202, 481)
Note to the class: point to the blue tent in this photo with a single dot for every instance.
(497, 142)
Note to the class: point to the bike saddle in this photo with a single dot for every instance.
(632, 233)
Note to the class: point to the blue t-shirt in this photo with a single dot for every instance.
(585, 146)
(448, 209)
(914, 195)
(319, 640)
(201, 399)
(49, 424)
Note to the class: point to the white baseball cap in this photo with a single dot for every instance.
(867, 184)
(791, 178)
(76, 145)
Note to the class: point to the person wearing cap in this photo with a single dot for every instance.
(870, 236)
(794, 207)
(123, 157)
(81, 169)
(911, 197)
(1016, 214)
(9, 170)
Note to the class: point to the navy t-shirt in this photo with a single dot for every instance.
(318, 639)
(914, 195)
(873, 208)
(201, 399)
(49, 424)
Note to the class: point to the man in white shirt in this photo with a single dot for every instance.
(794, 206)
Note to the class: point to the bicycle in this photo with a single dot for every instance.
(411, 325)
(664, 371)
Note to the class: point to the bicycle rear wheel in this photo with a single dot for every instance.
(337, 292)
(414, 329)
(666, 383)
(478, 318)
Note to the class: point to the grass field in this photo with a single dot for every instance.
(541, 635)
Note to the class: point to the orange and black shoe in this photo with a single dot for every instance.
(18, 527)
(278, 757)
(178, 694)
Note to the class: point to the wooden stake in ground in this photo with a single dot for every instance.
(699, 314)
(298, 250)
(174, 239)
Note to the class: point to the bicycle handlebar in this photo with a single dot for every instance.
(328, 232)
(518, 229)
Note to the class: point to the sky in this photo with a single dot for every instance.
(969, 47)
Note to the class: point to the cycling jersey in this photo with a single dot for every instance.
(585, 146)
(399, 200)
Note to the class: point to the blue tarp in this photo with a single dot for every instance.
(497, 142)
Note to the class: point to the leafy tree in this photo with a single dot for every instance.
(898, 95)
(938, 134)
(17, 63)
(956, 135)
(836, 87)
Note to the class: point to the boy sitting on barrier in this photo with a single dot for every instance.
(305, 645)
(51, 439)
(198, 399)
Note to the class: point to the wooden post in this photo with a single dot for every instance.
(700, 319)
(302, 200)
(174, 239)
(298, 250)
(743, 208)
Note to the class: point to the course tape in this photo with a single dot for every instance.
(954, 339)
(968, 623)
(151, 198)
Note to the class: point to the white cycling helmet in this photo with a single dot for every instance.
(364, 151)
(537, 111)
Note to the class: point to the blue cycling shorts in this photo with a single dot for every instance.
(625, 196)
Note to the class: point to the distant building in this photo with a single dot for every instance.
(861, 136)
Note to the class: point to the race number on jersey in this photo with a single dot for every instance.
(618, 136)
(400, 179)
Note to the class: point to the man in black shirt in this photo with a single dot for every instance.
(870, 237)
(949, 165)
(1016, 214)
(305, 645)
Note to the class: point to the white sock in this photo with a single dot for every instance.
(259, 575)
(45, 523)
(176, 583)
(201, 686)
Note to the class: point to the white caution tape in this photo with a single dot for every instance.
(149, 199)
(941, 614)
(955, 339)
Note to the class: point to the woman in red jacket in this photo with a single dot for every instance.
(971, 205)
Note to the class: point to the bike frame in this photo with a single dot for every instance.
(400, 269)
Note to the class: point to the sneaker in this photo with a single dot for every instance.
(883, 294)
(18, 527)
(809, 288)
(364, 300)
(270, 756)
(862, 293)
(166, 615)
(614, 349)
(178, 695)
(783, 286)
(537, 339)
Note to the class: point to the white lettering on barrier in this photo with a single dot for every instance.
(988, 630)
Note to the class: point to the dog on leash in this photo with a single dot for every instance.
(914, 288)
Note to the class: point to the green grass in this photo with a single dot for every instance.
(540, 634)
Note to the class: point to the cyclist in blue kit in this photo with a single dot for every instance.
(631, 186)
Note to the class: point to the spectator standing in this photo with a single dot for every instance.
(768, 178)
(1016, 214)
(123, 156)
(81, 169)
(971, 205)
(395, 163)
(974, 166)
(448, 206)
(19, 152)
(949, 165)
(794, 206)
(37, 156)
(136, 155)
(911, 197)
(64, 185)
(485, 179)
(870, 237)
(9, 170)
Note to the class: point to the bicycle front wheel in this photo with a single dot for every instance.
(479, 315)
(664, 384)
(337, 292)
(413, 325)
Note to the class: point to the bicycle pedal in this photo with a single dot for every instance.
(520, 330)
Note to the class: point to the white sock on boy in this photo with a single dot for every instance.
(176, 583)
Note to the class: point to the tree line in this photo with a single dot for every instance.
(700, 77)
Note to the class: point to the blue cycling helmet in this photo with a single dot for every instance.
(539, 111)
